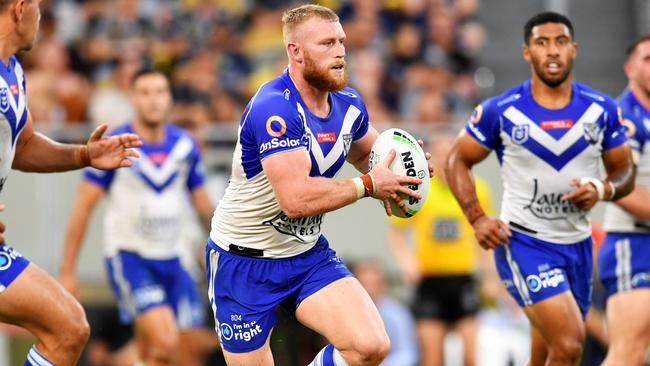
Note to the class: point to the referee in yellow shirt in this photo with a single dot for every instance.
(442, 263)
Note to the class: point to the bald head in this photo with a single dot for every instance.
(292, 18)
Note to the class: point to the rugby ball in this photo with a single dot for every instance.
(409, 161)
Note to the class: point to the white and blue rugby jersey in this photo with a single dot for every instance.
(637, 121)
(145, 203)
(276, 120)
(541, 150)
(13, 112)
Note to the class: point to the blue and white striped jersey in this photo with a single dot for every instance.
(541, 150)
(146, 203)
(637, 121)
(276, 120)
(13, 113)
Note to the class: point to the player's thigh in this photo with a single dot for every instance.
(557, 318)
(344, 313)
(157, 326)
(36, 301)
(261, 356)
(628, 318)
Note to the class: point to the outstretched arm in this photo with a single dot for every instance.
(465, 153)
(36, 152)
(87, 197)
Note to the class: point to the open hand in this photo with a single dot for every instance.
(112, 152)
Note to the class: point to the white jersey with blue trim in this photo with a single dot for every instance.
(276, 120)
(637, 122)
(146, 203)
(13, 113)
(541, 151)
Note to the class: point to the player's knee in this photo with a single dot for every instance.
(75, 334)
(165, 345)
(630, 352)
(80, 329)
(372, 350)
(568, 347)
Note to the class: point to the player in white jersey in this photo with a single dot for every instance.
(624, 259)
(550, 135)
(266, 248)
(29, 297)
(144, 212)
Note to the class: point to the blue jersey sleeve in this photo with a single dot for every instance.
(634, 130)
(614, 129)
(364, 124)
(196, 176)
(272, 126)
(483, 124)
(102, 178)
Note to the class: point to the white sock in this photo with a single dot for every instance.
(328, 356)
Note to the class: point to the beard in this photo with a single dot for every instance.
(320, 78)
(552, 81)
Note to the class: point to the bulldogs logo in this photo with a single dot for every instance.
(591, 132)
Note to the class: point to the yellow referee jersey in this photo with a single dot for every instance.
(444, 240)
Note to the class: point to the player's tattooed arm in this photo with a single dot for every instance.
(620, 172)
(472, 210)
(465, 153)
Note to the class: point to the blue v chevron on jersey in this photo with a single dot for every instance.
(143, 214)
(564, 144)
(542, 150)
(276, 121)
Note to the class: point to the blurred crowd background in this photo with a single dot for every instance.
(412, 60)
(420, 64)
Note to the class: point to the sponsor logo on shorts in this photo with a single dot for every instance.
(245, 331)
(148, 295)
(5, 261)
(277, 143)
(550, 206)
(546, 279)
(7, 257)
(226, 331)
(276, 126)
(640, 278)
